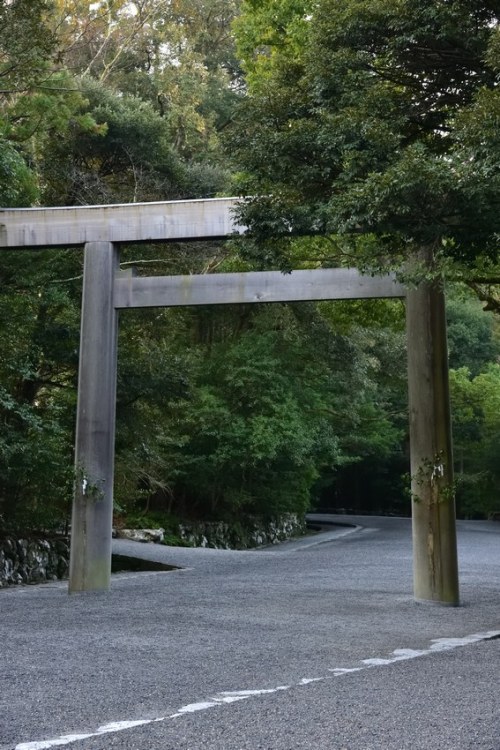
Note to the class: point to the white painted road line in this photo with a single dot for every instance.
(401, 654)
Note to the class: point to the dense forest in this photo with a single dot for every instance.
(358, 129)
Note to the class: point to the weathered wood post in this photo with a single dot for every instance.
(91, 525)
(435, 566)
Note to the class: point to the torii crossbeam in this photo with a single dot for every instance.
(101, 229)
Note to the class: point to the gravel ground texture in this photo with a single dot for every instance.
(283, 648)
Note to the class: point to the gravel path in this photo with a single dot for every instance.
(311, 644)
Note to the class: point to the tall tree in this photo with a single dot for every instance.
(371, 118)
(38, 97)
(177, 54)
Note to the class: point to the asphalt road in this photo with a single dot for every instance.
(312, 644)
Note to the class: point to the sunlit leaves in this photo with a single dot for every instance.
(387, 121)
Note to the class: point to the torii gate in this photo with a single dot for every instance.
(101, 229)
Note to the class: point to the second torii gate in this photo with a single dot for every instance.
(101, 229)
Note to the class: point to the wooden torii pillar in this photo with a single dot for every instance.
(101, 229)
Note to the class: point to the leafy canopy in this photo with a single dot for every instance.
(372, 118)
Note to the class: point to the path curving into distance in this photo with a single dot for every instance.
(312, 644)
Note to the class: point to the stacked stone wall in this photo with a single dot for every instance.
(32, 560)
(254, 533)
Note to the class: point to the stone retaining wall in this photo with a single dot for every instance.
(33, 560)
(255, 533)
(39, 560)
